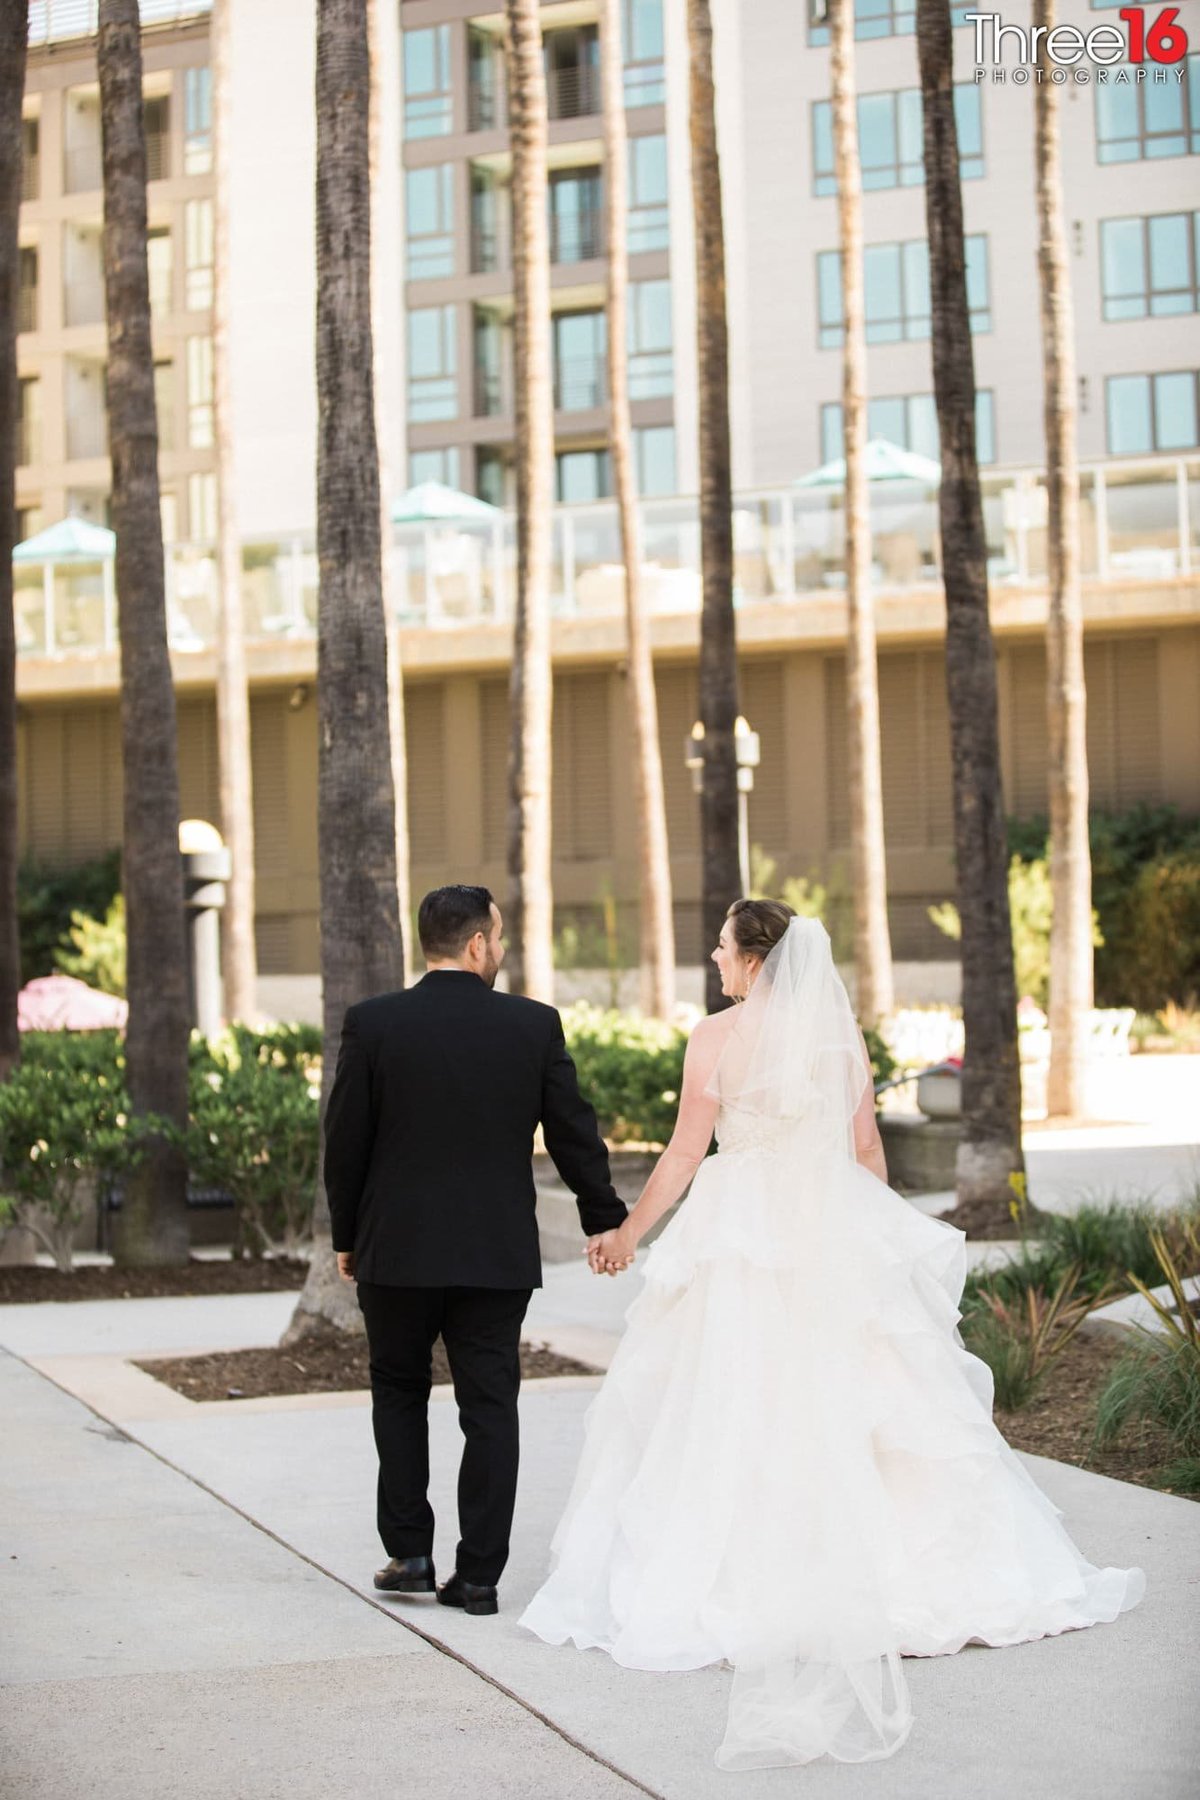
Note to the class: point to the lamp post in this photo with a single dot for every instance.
(748, 753)
(206, 868)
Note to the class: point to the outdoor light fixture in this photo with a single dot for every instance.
(748, 753)
(298, 696)
(693, 755)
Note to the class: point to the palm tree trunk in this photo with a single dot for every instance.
(1066, 694)
(872, 940)
(14, 32)
(720, 873)
(381, 297)
(356, 809)
(654, 866)
(531, 692)
(152, 1226)
(989, 1157)
(240, 956)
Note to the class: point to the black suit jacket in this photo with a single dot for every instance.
(429, 1135)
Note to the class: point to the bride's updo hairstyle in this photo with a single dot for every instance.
(758, 925)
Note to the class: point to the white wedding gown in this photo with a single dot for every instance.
(791, 1465)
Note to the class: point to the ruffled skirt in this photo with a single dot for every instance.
(791, 1467)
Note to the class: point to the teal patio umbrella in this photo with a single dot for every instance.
(71, 542)
(885, 462)
(432, 503)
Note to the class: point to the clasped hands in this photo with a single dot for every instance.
(612, 1252)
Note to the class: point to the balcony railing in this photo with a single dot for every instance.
(485, 104)
(573, 93)
(29, 446)
(490, 248)
(51, 20)
(491, 396)
(579, 383)
(83, 301)
(578, 236)
(83, 168)
(31, 176)
(87, 436)
(27, 309)
(1140, 525)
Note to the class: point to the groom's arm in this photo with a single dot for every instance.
(349, 1131)
(574, 1142)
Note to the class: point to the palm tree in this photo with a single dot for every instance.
(239, 956)
(1066, 695)
(14, 33)
(382, 295)
(531, 692)
(152, 1224)
(657, 919)
(356, 811)
(720, 873)
(989, 1156)
(872, 941)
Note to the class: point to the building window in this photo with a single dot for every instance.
(1152, 412)
(164, 403)
(429, 221)
(198, 255)
(575, 215)
(572, 62)
(156, 115)
(432, 364)
(580, 340)
(158, 260)
(649, 227)
(434, 465)
(877, 18)
(490, 475)
(200, 392)
(202, 507)
(654, 448)
(909, 420)
(31, 162)
(642, 44)
(890, 140)
(896, 291)
(1151, 120)
(428, 83)
(581, 476)
(197, 121)
(651, 370)
(27, 288)
(1148, 266)
(29, 421)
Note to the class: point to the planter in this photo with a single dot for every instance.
(921, 1153)
(939, 1092)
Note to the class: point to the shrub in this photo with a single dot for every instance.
(631, 1070)
(1114, 1242)
(253, 1130)
(64, 1127)
(1019, 1338)
(97, 955)
(1030, 907)
(47, 900)
(1146, 892)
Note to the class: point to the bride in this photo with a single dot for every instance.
(791, 1465)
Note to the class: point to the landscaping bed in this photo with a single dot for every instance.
(23, 1284)
(325, 1363)
(1059, 1420)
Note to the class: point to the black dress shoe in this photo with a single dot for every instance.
(407, 1575)
(469, 1595)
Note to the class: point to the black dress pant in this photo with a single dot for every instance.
(481, 1329)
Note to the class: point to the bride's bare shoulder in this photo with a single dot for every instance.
(713, 1028)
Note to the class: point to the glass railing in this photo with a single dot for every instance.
(52, 20)
(1139, 522)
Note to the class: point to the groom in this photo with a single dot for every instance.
(428, 1143)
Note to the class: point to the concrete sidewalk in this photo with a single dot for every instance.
(187, 1620)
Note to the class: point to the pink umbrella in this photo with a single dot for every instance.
(60, 1003)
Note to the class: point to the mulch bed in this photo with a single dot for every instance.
(1059, 1420)
(325, 1363)
(23, 1285)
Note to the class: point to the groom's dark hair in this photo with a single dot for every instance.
(449, 917)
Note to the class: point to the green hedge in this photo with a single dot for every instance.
(631, 1069)
(1146, 892)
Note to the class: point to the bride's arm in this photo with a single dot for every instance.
(688, 1146)
(868, 1145)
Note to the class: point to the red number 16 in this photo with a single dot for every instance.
(1167, 42)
